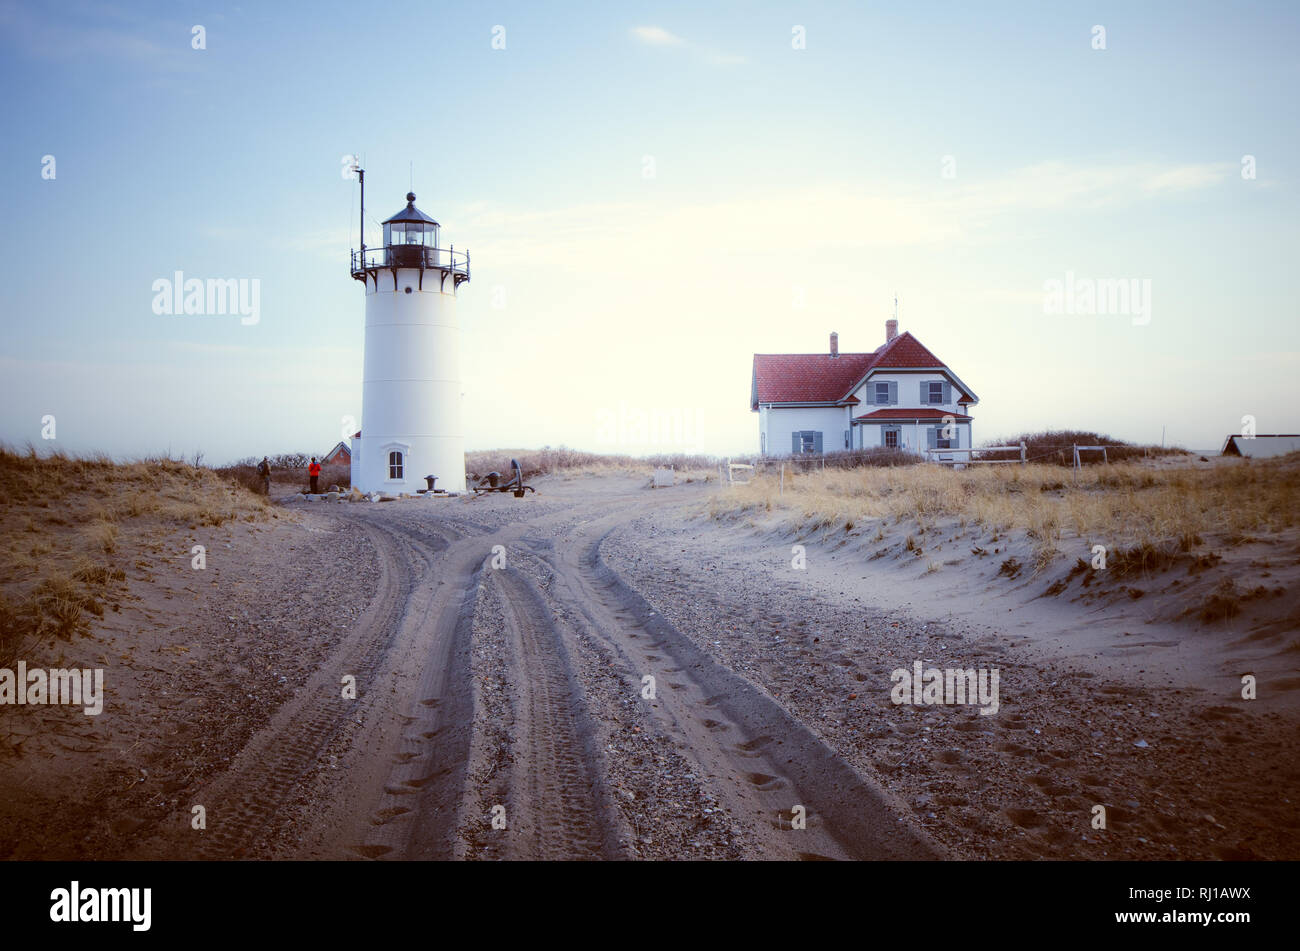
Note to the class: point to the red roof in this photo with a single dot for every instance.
(821, 378)
(806, 377)
(907, 414)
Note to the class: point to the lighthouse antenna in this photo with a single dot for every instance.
(361, 175)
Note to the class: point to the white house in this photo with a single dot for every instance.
(900, 395)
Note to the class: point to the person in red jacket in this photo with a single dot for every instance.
(313, 470)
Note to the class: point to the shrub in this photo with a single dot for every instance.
(1055, 447)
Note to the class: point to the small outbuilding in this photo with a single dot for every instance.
(339, 455)
(1261, 447)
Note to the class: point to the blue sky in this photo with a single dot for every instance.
(794, 191)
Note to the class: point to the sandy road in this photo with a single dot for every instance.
(555, 626)
(501, 712)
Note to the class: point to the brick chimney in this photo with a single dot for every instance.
(891, 329)
(835, 344)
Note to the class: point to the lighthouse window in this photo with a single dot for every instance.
(394, 465)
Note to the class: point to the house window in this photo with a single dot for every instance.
(762, 444)
(935, 391)
(937, 440)
(807, 440)
(891, 438)
(882, 394)
(395, 465)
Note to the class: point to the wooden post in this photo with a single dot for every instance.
(1023, 454)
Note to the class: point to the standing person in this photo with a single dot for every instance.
(313, 470)
(264, 470)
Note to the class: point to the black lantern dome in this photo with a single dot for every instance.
(411, 227)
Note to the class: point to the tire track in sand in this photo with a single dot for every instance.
(253, 805)
(418, 807)
(559, 808)
(761, 761)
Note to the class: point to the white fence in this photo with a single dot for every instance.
(738, 468)
(938, 455)
(944, 456)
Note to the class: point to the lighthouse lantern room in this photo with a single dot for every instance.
(411, 389)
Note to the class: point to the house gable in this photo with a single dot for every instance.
(907, 355)
(339, 454)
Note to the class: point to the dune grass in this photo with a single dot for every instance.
(1126, 505)
(549, 461)
(77, 522)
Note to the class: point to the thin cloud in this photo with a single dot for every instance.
(831, 214)
(658, 36)
(1186, 177)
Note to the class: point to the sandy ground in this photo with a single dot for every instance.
(501, 648)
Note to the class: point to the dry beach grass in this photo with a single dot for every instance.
(572, 462)
(76, 523)
(1126, 506)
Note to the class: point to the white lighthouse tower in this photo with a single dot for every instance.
(410, 399)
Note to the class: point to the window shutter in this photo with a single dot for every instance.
(925, 392)
(794, 443)
(893, 393)
(817, 443)
(932, 436)
(947, 392)
(846, 440)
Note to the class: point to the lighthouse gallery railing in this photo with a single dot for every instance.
(445, 259)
